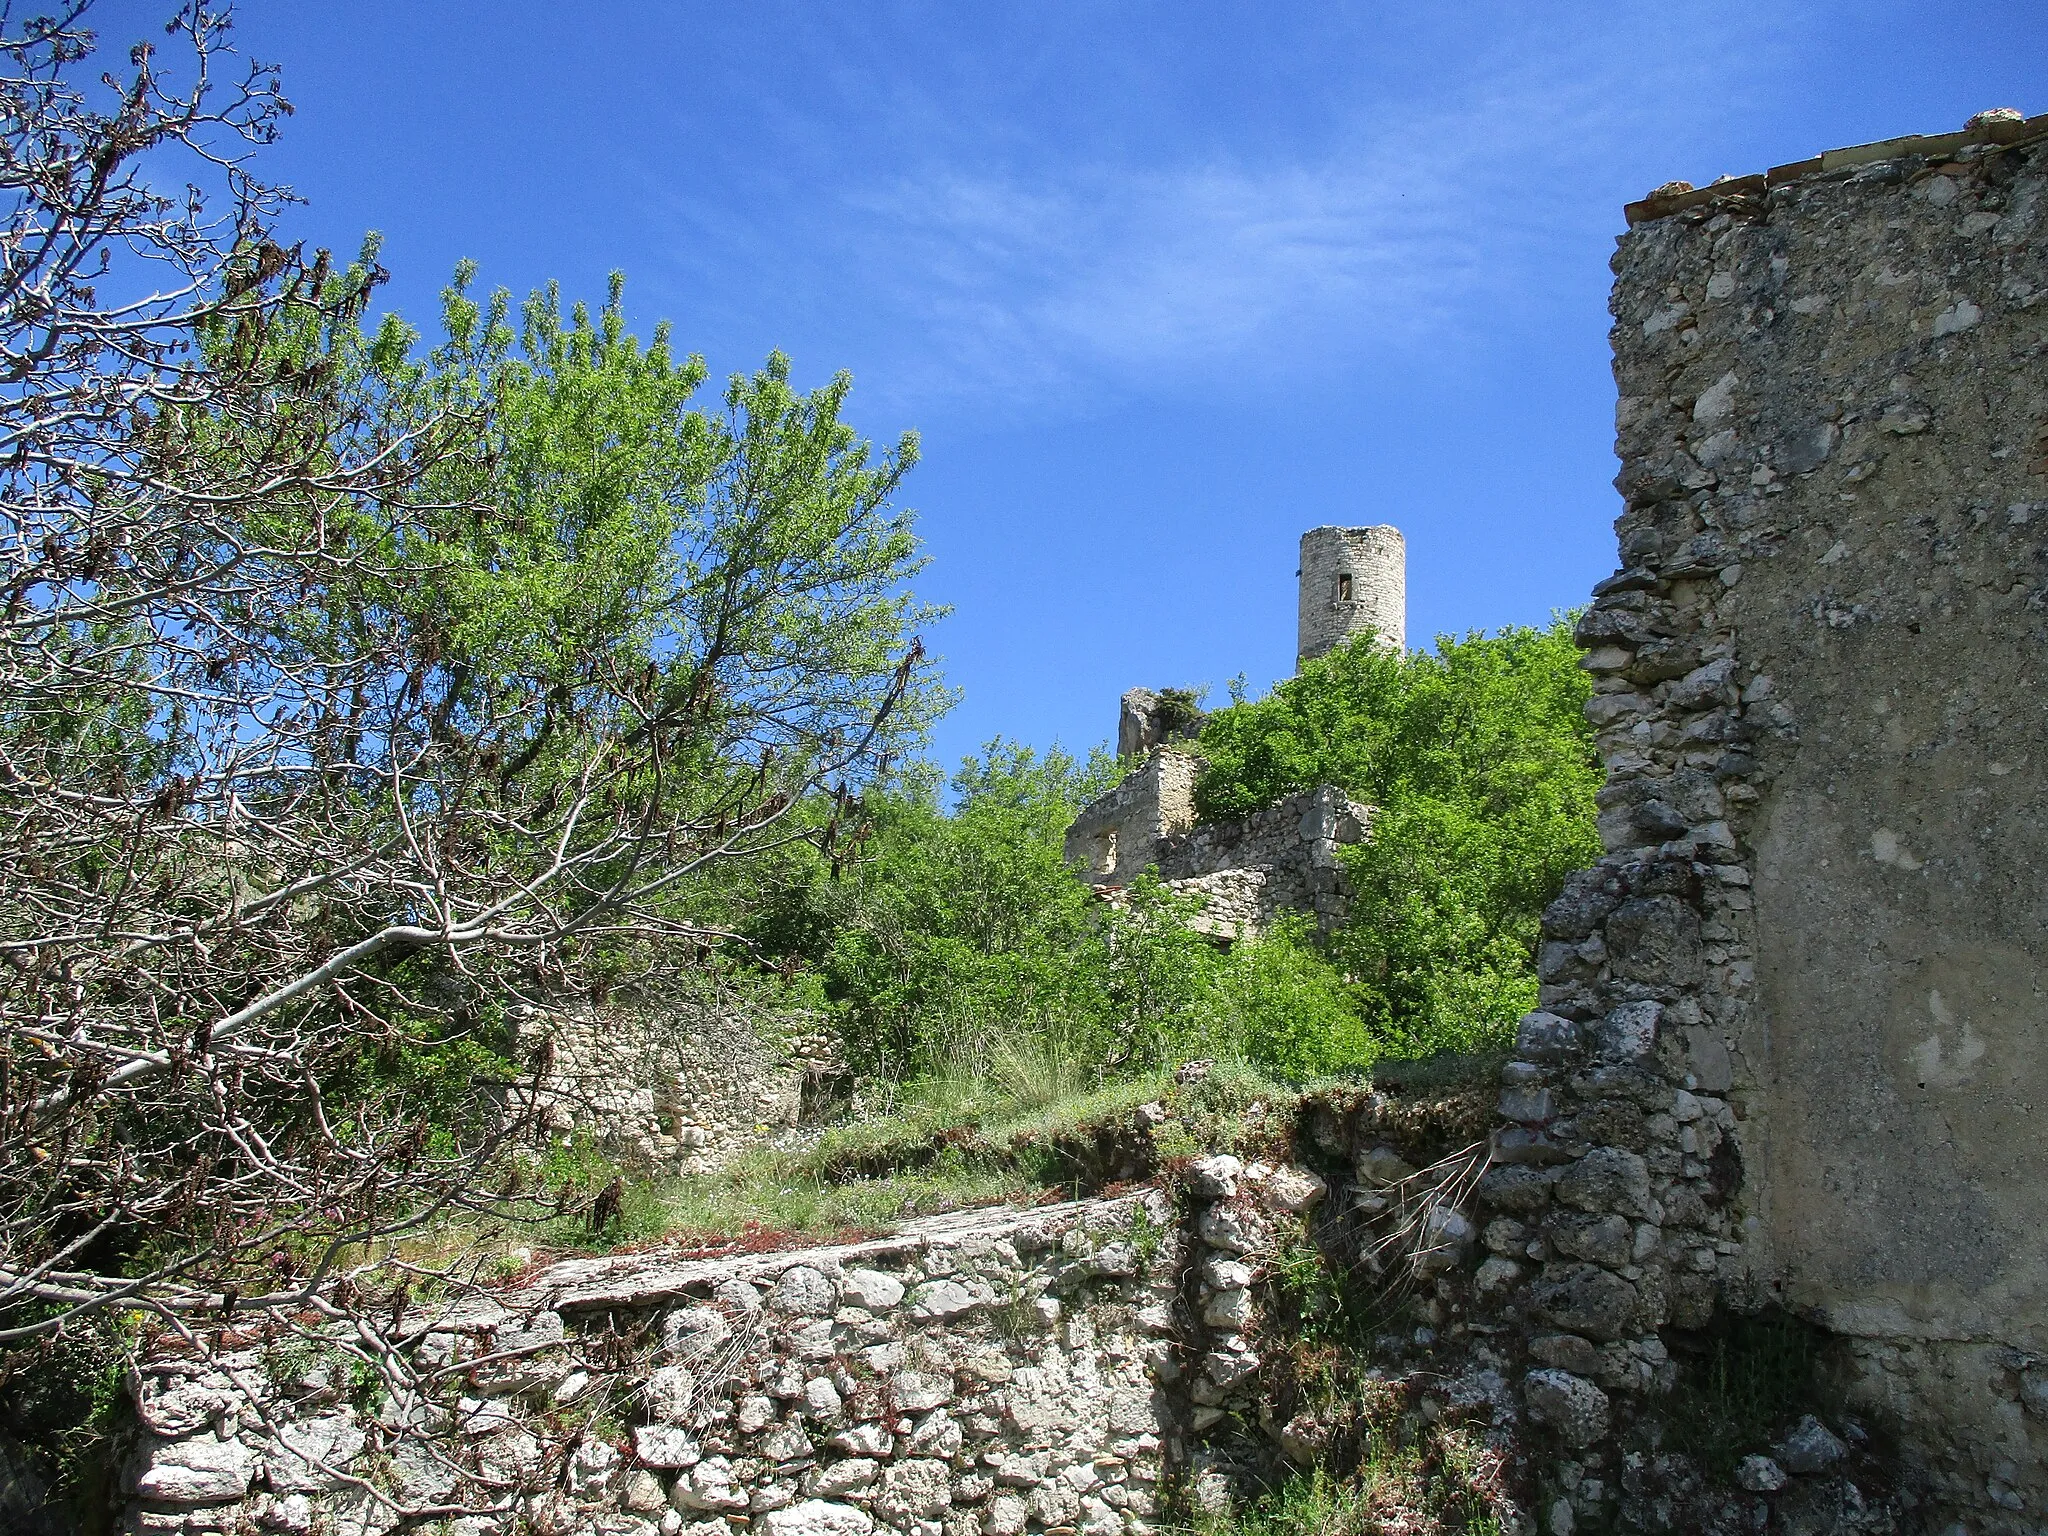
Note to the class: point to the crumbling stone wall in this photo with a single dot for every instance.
(1117, 834)
(969, 1375)
(1279, 859)
(1789, 1047)
(1100, 1367)
(966, 1373)
(676, 1089)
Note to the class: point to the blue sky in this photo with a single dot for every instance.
(1161, 285)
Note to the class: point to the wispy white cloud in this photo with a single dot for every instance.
(1118, 276)
(1412, 228)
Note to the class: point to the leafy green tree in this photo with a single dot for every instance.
(952, 928)
(1158, 973)
(960, 935)
(1482, 770)
(352, 694)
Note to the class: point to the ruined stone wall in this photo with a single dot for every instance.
(1351, 580)
(673, 1089)
(968, 1371)
(979, 1374)
(1280, 859)
(1791, 1041)
(1118, 833)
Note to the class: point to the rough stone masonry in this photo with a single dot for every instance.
(1788, 1049)
(1793, 1023)
(1283, 857)
(977, 1374)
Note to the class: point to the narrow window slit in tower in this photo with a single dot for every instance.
(1344, 587)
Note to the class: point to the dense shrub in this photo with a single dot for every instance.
(960, 937)
(1281, 1004)
(1482, 769)
(954, 927)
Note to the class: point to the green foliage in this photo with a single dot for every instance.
(1482, 769)
(1178, 709)
(1319, 1305)
(1281, 1004)
(1311, 1503)
(1438, 1487)
(1159, 977)
(62, 1400)
(961, 949)
(956, 931)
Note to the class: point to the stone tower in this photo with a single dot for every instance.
(1352, 579)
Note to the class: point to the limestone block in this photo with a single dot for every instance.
(942, 1299)
(821, 1400)
(694, 1333)
(1585, 1299)
(199, 1471)
(1228, 1309)
(1288, 1189)
(666, 1446)
(596, 1467)
(785, 1442)
(1007, 1515)
(1381, 1166)
(1760, 1474)
(643, 1494)
(871, 1288)
(803, 1292)
(1231, 1228)
(670, 1393)
(1810, 1447)
(818, 1517)
(1572, 1406)
(918, 1392)
(711, 1484)
(843, 1477)
(315, 1453)
(1607, 1179)
(1629, 1032)
(914, 1490)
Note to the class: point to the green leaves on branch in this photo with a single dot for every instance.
(960, 936)
(1482, 769)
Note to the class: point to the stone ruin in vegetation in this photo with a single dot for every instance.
(1784, 1074)
(679, 1088)
(1283, 858)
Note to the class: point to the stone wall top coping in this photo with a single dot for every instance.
(1681, 196)
(643, 1279)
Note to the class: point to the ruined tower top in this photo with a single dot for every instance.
(1352, 580)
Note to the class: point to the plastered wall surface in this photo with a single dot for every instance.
(1822, 662)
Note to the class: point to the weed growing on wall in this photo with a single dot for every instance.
(1740, 1383)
